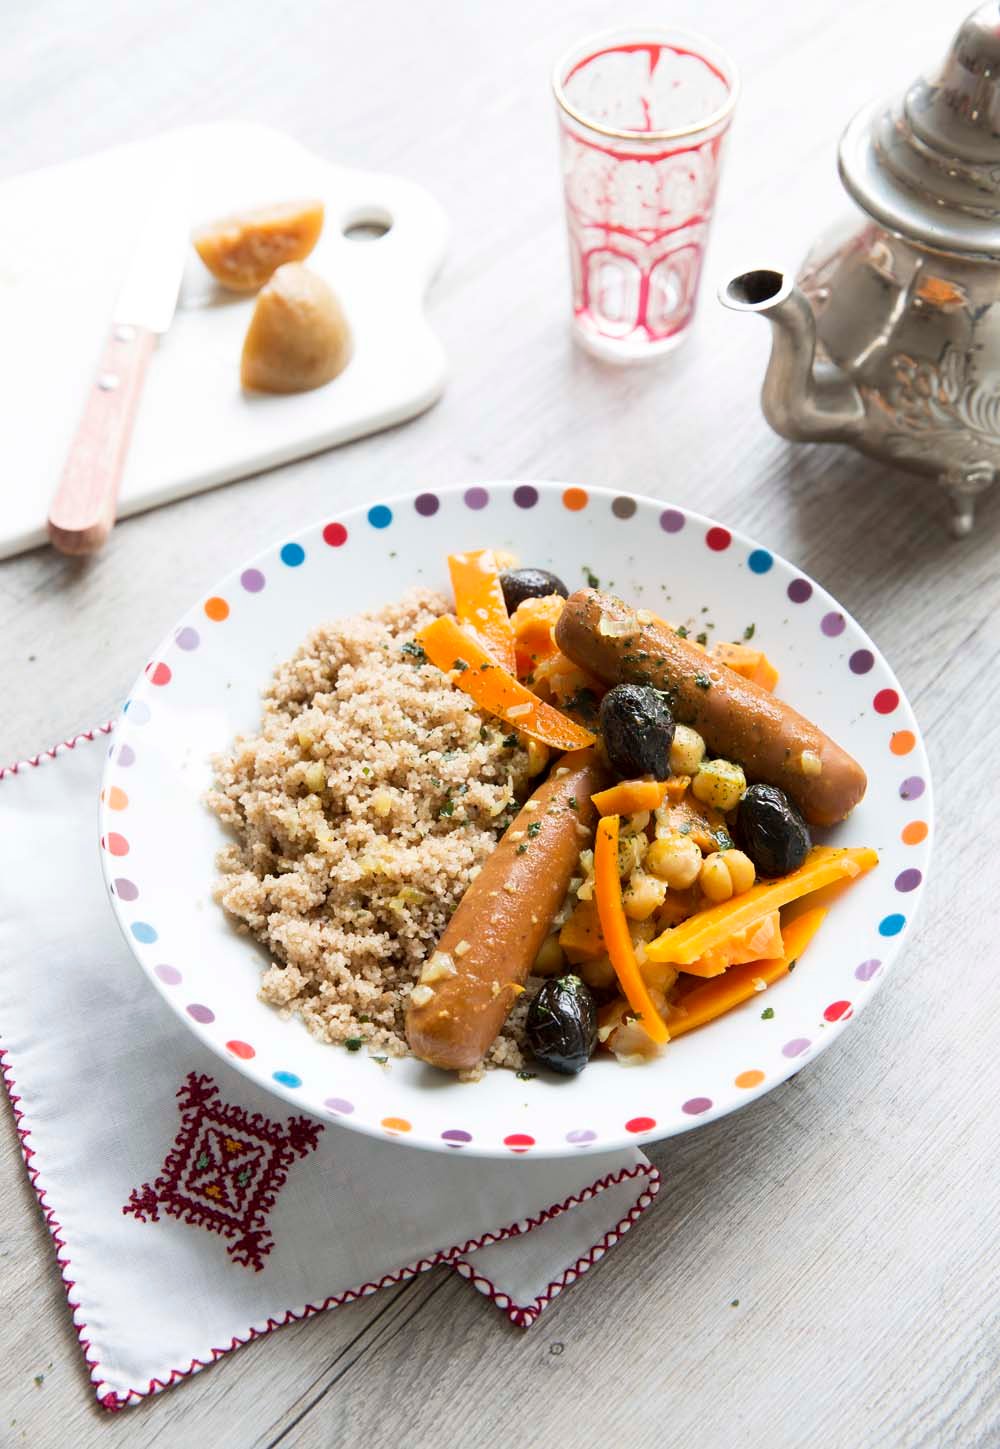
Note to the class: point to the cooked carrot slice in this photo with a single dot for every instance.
(759, 941)
(479, 603)
(494, 689)
(707, 929)
(533, 622)
(628, 797)
(751, 663)
(739, 983)
(614, 928)
(581, 937)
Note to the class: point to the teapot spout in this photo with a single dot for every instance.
(803, 399)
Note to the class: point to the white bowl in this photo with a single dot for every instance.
(203, 686)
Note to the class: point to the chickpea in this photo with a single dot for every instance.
(726, 873)
(741, 869)
(714, 879)
(550, 959)
(719, 783)
(675, 859)
(687, 751)
(643, 895)
(597, 972)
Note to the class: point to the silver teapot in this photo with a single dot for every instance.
(890, 338)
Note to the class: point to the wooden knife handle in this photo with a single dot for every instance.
(83, 510)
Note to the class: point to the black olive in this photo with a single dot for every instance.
(638, 731)
(561, 1029)
(521, 584)
(771, 830)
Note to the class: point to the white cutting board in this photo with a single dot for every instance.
(66, 235)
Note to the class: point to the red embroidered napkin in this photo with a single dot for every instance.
(190, 1211)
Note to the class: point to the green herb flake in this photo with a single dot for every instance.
(703, 681)
(448, 808)
(39, 1380)
(522, 850)
(593, 582)
(767, 1014)
(571, 803)
(365, 770)
(460, 665)
(681, 632)
(735, 1303)
(414, 651)
(749, 631)
(364, 1019)
(486, 665)
(534, 828)
(702, 638)
(381, 1060)
(354, 1043)
(510, 741)
(792, 965)
(484, 734)
(526, 1076)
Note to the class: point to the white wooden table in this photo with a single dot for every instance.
(822, 1267)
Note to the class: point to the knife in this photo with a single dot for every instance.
(83, 510)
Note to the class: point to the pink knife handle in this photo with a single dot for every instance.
(83, 511)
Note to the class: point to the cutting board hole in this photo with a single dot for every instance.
(368, 228)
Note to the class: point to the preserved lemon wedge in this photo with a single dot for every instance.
(242, 251)
(298, 336)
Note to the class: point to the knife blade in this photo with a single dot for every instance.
(83, 510)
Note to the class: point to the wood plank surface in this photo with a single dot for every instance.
(821, 1268)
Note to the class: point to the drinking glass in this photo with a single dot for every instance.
(643, 116)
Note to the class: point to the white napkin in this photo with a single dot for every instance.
(93, 1061)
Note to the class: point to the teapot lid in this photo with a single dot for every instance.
(928, 164)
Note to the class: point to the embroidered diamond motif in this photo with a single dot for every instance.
(225, 1170)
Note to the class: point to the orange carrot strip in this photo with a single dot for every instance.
(706, 929)
(716, 997)
(628, 797)
(614, 928)
(475, 672)
(479, 603)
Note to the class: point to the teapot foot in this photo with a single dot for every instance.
(963, 488)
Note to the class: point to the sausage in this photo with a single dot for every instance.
(737, 718)
(491, 941)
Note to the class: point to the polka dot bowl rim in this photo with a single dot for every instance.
(157, 770)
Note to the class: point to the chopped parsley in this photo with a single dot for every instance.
(681, 632)
(510, 741)
(365, 770)
(526, 1076)
(702, 638)
(767, 1014)
(484, 734)
(364, 1019)
(448, 808)
(354, 1043)
(486, 665)
(534, 828)
(522, 850)
(381, 1060)
(460, 665)
(792, 965)
(593, 582)
(414, 651)
(571, 803)
(703, 681)
(749, 631)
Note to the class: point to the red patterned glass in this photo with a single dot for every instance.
(643, 116)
